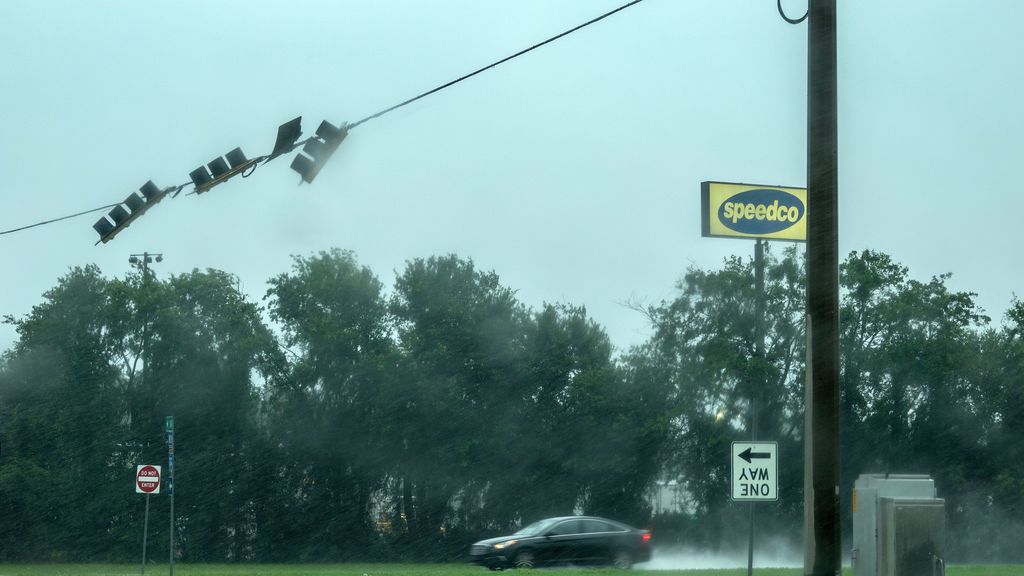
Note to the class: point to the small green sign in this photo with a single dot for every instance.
(170, 423)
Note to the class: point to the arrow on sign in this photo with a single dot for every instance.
(747, 455)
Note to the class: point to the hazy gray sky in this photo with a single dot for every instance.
(573, 171)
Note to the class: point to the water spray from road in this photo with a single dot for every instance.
(767, 555)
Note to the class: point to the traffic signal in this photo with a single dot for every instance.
(318, 150)
(122, 215)
(220, 170)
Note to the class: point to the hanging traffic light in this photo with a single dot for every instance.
(220, 170)
(318, 150)
(122, 215)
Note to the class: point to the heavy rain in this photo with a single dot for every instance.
(526, 308)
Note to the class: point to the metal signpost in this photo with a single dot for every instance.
(147, 481)
(755, 477)
(760, 212)
(170, 486)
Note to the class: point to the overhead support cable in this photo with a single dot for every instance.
(489, 66)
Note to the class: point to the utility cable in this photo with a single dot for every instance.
(58, 219)
(502, 61)
(791, 20)
(173, 191)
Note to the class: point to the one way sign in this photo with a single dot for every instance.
(755, 471)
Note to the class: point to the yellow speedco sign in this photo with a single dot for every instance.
(734, 210)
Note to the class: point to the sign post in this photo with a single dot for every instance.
(170, 486)
(760, 212)
(147, 481)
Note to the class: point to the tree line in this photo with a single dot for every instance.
(338, 420)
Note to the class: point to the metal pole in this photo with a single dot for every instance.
(757, 395)
(171, 539)
(823, 281)
(759, 373)
(145, 535)
(170, 488)
(750, 544)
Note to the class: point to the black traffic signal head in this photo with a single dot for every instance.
(318, 150)
(122, 215)
(220, 170)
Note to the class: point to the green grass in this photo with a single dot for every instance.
(407, 570)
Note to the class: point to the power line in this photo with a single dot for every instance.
(58, 219)
(489, 66)
(263, 159)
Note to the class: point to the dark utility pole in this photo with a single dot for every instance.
(823, 283)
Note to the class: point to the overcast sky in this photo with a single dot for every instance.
(573, 171)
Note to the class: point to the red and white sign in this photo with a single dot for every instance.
(147, 479)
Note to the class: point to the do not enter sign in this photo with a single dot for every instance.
(147, 479)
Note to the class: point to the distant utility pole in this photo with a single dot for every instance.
(142, 261)
(823, 290)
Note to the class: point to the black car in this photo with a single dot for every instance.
(565, 540)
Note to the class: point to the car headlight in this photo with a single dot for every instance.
(505, 544)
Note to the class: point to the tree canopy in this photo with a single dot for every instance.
(339, 418)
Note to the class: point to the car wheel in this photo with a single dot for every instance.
(622, 559)
(524, 559)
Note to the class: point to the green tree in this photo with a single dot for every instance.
(705, 346)
(64, 486)
(588, 430)
(326, 418)
(913, 395)
(461, 334)
(84, 393)
(210, 352)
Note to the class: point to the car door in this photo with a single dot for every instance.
(561, 543)
(600, 540)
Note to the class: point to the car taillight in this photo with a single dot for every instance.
(646, 537)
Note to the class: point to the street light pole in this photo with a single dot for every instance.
(142, 261)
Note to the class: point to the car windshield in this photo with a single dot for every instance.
(536, 528)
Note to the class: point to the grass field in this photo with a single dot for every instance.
(407, 570)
